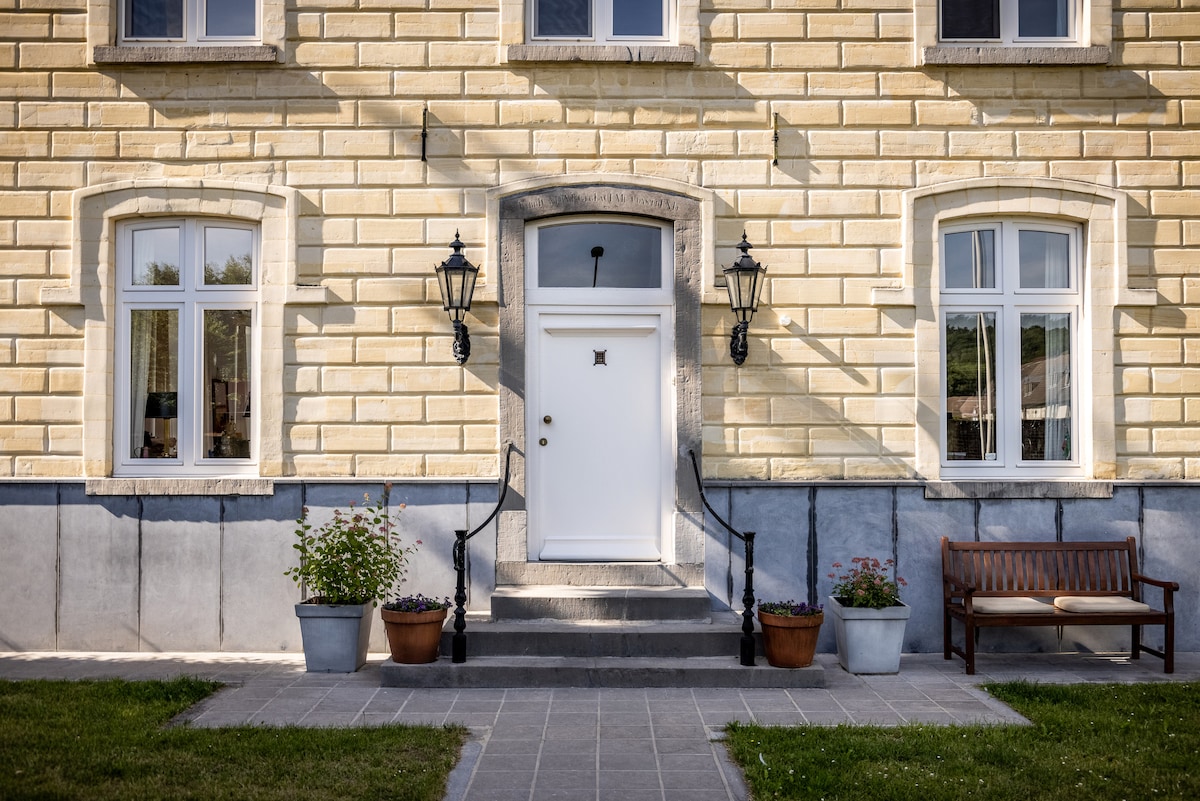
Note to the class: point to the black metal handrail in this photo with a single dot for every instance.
(747, 537)
(458, 647)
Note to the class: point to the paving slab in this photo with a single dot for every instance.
(593, 743)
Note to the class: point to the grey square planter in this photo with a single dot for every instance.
(869, 640)
(335, 636)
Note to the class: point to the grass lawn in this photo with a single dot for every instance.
(1087, 743)
(106, 740)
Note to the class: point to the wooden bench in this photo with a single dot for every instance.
(995, 584)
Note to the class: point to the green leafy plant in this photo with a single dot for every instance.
(355, 558)
(416, 603)
(867, 585)
(790, 608)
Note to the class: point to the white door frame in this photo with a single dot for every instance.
(572, 310)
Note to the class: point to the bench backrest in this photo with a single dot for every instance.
(1043, 569)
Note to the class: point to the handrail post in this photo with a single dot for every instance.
(747, 643)
(747, 651)
(458, 645)
(458, 648)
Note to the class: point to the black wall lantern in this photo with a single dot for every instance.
(744, 280)
(456, 279)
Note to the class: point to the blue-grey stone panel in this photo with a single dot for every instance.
(1018, 520)
(98, 572)
(851, 522)
(181, 573)
(28, 563)
(779, 518)
(920, 526)
(481, 549)
(1171, 551)
(1112, 518)
(719, 552)
(257, 599)
(432, 513)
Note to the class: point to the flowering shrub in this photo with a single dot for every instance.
(416, 603)
(355, 558)
(790, 608)
(867, 585)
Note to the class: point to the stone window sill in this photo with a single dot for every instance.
(223, 54)
(972, 55)
(1000, 489)
(633, 54)
(180, 486)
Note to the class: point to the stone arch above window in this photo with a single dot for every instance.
(1101, 213)
(92, 285)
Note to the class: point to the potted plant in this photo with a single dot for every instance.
(414, 628)
(790, 632)
(868, 616)
(346, 566)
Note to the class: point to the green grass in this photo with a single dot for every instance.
(107, 740)
(1087, 743)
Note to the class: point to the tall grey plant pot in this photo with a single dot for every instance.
(335, 636)
(869, 640)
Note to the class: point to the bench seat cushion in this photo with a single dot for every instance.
(1011, 606)
(1099, 603)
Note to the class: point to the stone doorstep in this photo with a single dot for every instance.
(627, 672)
(597, 639)
(628, 603)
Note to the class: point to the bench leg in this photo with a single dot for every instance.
(1136, 651)
(946, 652)
(971, 635)
(1169, 644)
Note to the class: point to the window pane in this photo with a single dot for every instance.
(154, 382)
(1045, 260)
(562, 18)
(156, 257)
(970, 19)
(229, 17)
(971, 386)
(970, 260)
(637, 18)
(600, 255)
(1046, 387)
(227, 383)
(158, 19)
(1043, 18)
(227, 258)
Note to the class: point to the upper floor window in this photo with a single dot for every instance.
(600, 21)
(187, 348)
(1010, 325)
(193, 22)
(1009, 21)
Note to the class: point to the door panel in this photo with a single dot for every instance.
(599, 485)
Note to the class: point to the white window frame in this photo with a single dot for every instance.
(1009, 301)
(191, 298)
(602, 25)
(1009, 27)
(193, 26)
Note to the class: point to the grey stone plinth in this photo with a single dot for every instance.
(661, 640)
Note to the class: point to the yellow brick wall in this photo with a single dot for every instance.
(370, 385)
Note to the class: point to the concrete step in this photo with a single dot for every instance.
(631, 672)
(632, 603)
(659, 639)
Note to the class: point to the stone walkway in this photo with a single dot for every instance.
(594, 744)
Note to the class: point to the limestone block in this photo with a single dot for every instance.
(880, 55)
(427, 26)
(843, 381)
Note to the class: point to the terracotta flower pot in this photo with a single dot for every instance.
(413, 637)
(790, 642)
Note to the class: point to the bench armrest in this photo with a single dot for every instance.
(955, 581)
(1169, 589)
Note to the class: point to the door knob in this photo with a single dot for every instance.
(546, 419)
(543, 441)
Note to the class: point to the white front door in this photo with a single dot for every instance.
(598, 437)
(600, 429)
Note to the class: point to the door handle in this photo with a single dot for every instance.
(543, 441)
(546, 419)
